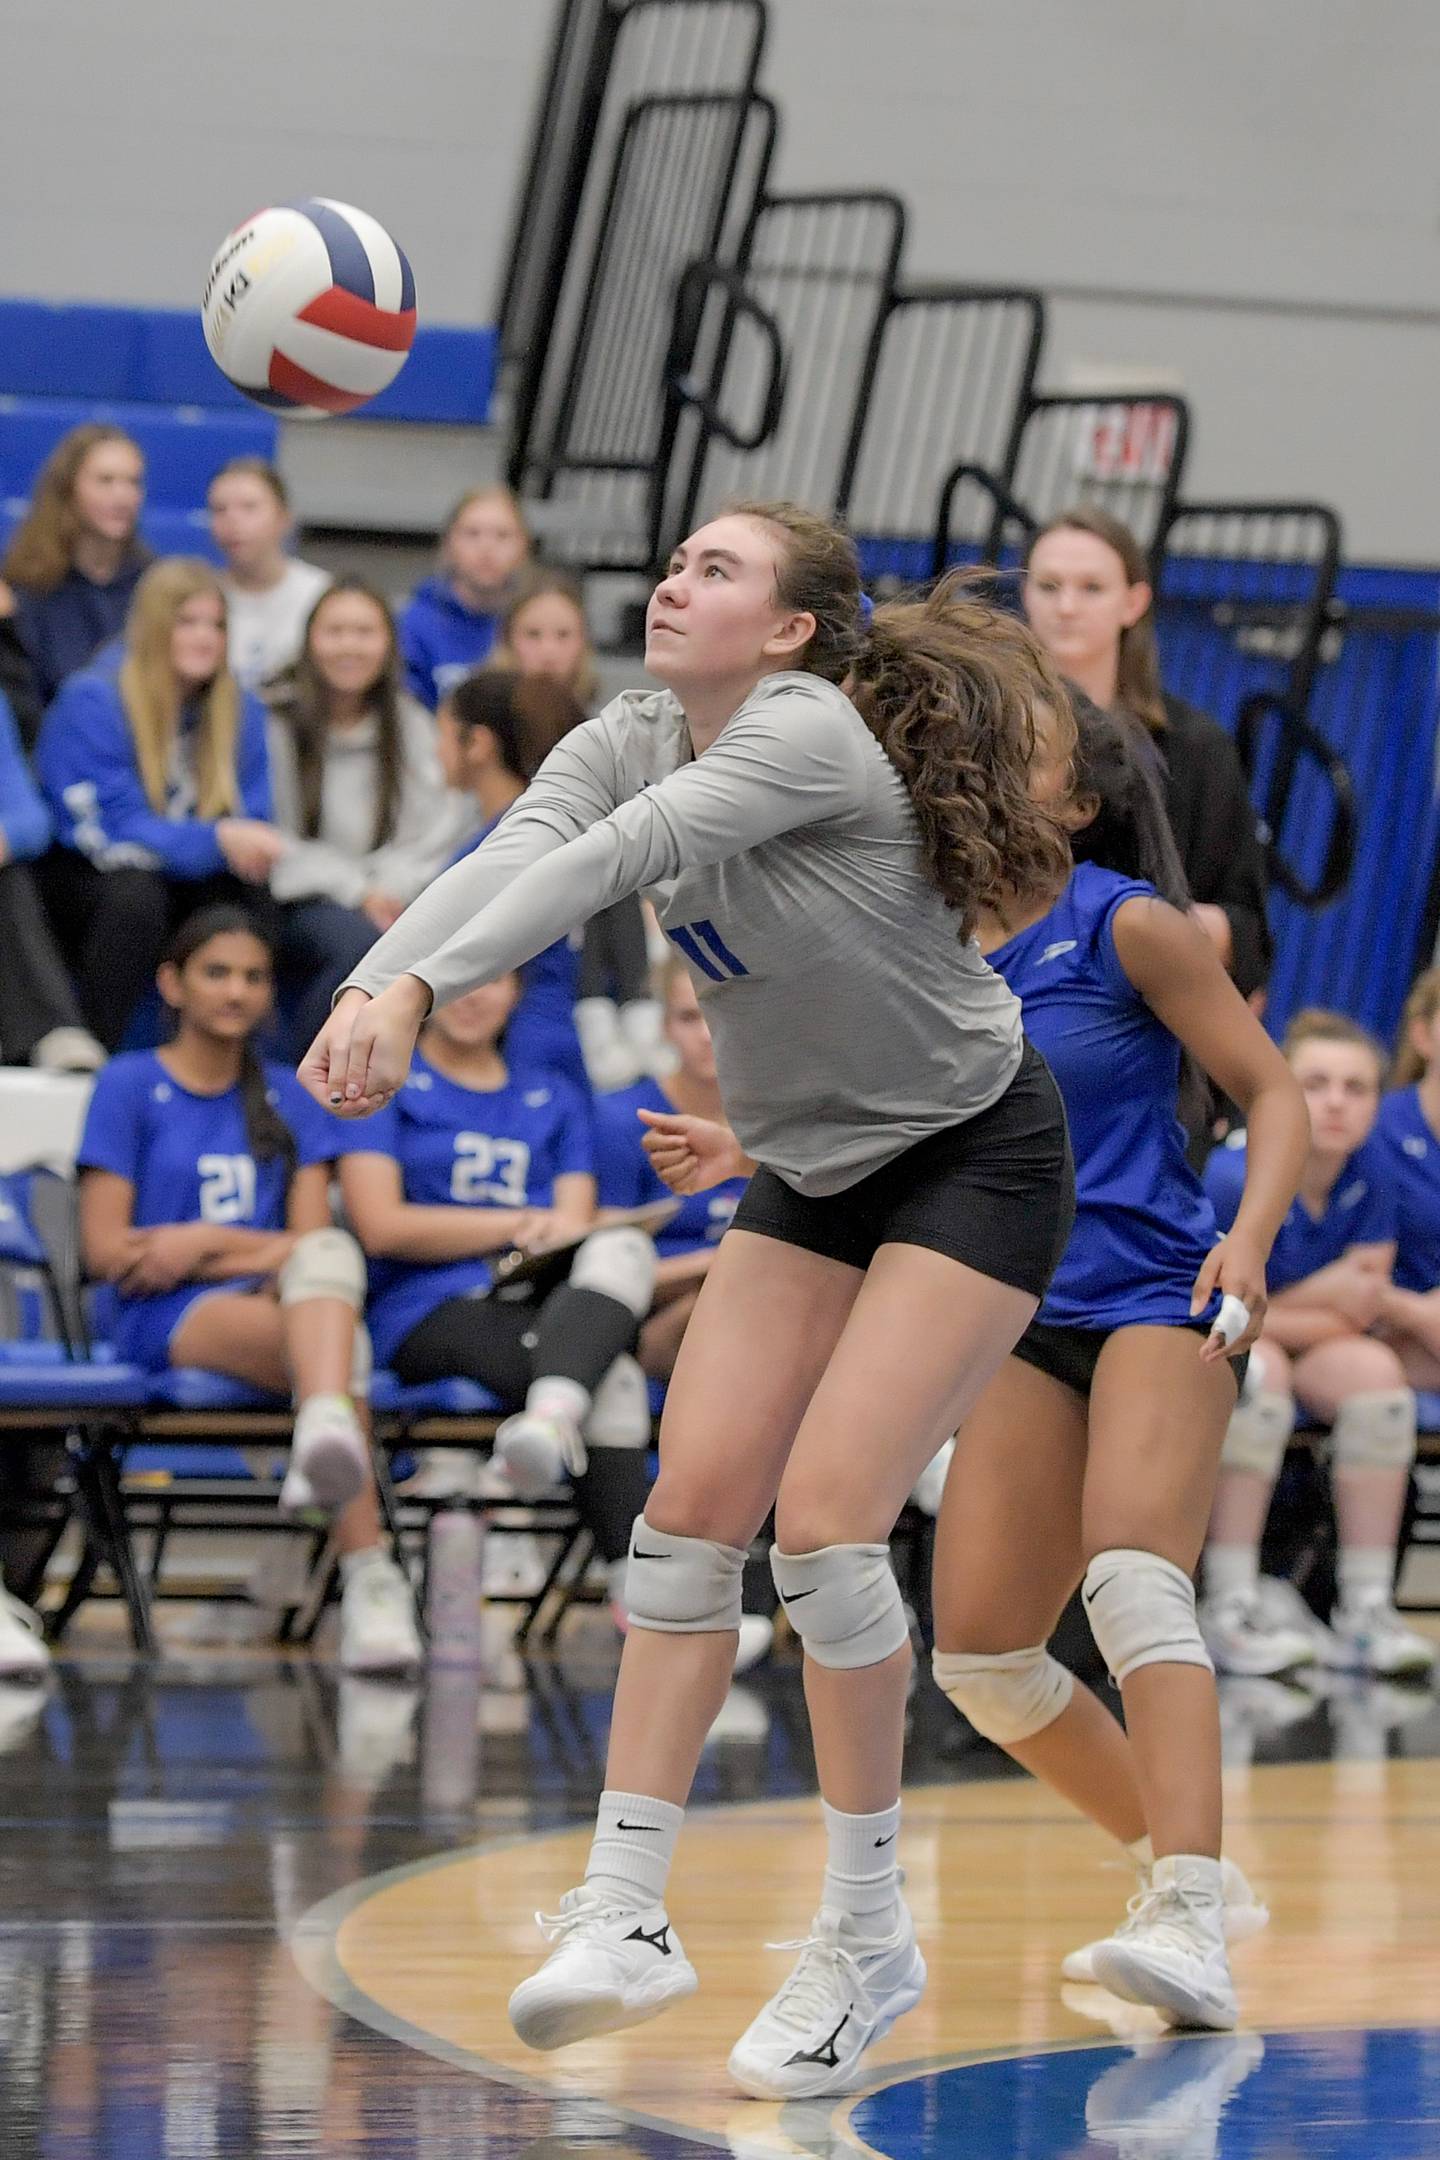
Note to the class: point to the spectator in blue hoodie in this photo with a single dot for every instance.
(39, 1019)
(76, 558)
(155, 768)
(451, 621)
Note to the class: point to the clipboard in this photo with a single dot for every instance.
(516, 1266)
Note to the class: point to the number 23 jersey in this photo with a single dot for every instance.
(466, 1147)
(189, 1159)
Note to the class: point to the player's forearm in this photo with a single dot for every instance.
(436, 1234)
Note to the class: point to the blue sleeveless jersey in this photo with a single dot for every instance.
(1143, 1224)
(628, 1181)
(466, 1147)
(1410, 1150)
(188, 1157)
(1359, 1211)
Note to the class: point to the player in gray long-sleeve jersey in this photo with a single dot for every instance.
(820, 862)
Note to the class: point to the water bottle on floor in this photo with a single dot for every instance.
(452, 1608)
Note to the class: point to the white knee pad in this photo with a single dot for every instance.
(620, 1264)
(1375, 1431)
(324, 1263)
(1142, 1612)
(1007, 1695)
(620, 1408)
(843, 1602)
(682, 1585)
(1259, 1433)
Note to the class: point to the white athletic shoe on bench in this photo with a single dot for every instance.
(329, 1457)
(1244, 1916)
(537, 1453)
(1170, 1953)
(845, 1993)
(613, 1965)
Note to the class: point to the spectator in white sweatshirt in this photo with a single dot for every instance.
(358, 785)
(268, 592)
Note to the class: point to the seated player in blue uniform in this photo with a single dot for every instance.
(687, 1244)
(1102, 1432)
(472, 1160)
(1407, 1135)
(494, 732)
(204, 1204)
(1330, 1281)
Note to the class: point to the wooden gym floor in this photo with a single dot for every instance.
(247, 1908)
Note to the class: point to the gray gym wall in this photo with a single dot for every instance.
(1239, 197)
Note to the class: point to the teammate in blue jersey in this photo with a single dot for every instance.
(1407, 1134)
(473, 1159)
(687, 1244)
(494, 732)
(204, 1204)
(1330, 1272)
(1102, 1433)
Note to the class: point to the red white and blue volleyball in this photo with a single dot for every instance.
(309, 308)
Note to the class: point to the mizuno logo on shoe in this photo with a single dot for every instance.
(660, 1940)
(826, 2052)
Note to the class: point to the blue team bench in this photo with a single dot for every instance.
(147, 370)
(157, 356)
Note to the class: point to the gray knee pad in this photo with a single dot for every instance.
(324, 1263)
(1259, 1433)
(620, 1408)
(843, 1602)
(621, 1265)
(1375, 1431)
(682, 1585)
(1007, 1695)
(1142, 1612)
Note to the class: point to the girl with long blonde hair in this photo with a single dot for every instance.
(76, 557)
(155, 767)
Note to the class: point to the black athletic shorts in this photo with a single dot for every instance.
(1071, 1354)
(996, 1192)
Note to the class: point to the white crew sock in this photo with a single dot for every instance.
(1194, 1871)
(1367, 1575)
(1231, 1571)
(862, 1874)
(355, 1563)
(322, 1410)
(1141, 1855)
(633, 1846)
(562, 1402)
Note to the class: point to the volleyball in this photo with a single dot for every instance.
(309, 308)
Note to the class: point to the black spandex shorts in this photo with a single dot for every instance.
(1071, 1354)
(997, 1192)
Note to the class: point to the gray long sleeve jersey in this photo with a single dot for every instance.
(849, 1018)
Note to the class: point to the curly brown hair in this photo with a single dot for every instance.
(962, 697)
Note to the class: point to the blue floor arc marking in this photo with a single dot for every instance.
(1331, 2094)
